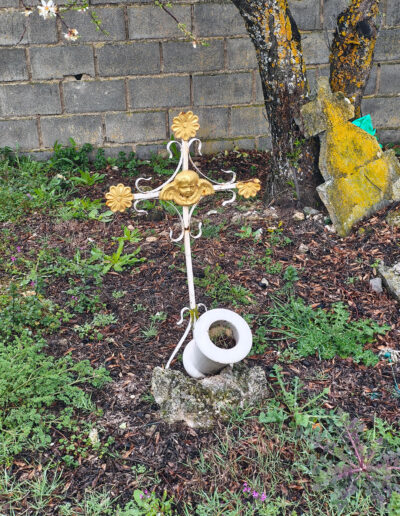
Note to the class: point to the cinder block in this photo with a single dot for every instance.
(259, 90)
(129, 59)
(57, 62)
(312, 80)
(145, 151)
(213, 121)
(92, 96)
(390, 79)
(241, 54)
(128, 2)
(218, 20)
(385, 112)
(180, 56)
(12, 28)
(159, 92)
(388, 135)
(9, 3)
(371, 83)
(222, 89)
(332, 9)
(305, 13)
(315, 48)
(264, 143)
(135, 127)
(387, 45)
(113, 152)
(392, 13)
(112, 22)
(83, 129)
(214, 146)
(150, 21)
(21, 133)
(13, 65)
(29, 99)
(250, 120)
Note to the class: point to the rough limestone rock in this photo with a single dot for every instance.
(391, 278)
(393, 218)
(359, 177)
(199, 403)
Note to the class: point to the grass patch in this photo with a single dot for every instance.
(327, 333)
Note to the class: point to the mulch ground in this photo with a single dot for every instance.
(333, 269)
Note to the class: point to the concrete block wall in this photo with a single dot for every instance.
(120, 90)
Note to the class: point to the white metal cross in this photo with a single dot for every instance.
(184, 188)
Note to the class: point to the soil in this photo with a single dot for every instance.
(333, 269)
(221, 336)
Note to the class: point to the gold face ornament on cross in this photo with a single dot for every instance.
(186, 187)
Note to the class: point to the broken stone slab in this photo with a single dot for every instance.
(359, 177)
(393, 218)
(391, 278)
(199, 403)
(298, 216)
(309, 211)
(376, 285)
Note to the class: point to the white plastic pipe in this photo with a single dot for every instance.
(202, 357)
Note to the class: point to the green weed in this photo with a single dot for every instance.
(84, 208)
(327, 333)
(117, 260)
(30, 383)
(300, 415)
(27, 185)
(219, 288)
(91, 329)
(85, 178)
(71, 157)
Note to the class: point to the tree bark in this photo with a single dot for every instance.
(352, 49)
(277, 41)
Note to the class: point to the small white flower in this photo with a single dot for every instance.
(83, 9)
(28, 12)
(47, 9)
(194, 44)
(71, 35)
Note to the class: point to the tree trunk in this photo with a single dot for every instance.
(352, 49)
(278, 48)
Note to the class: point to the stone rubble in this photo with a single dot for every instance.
(200, 403)
(376, 285)
(391, 278)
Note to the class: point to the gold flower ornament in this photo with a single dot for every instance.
(248, 188)
(185, 125)
(119, 197)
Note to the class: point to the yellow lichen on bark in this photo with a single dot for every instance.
(353, 48)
